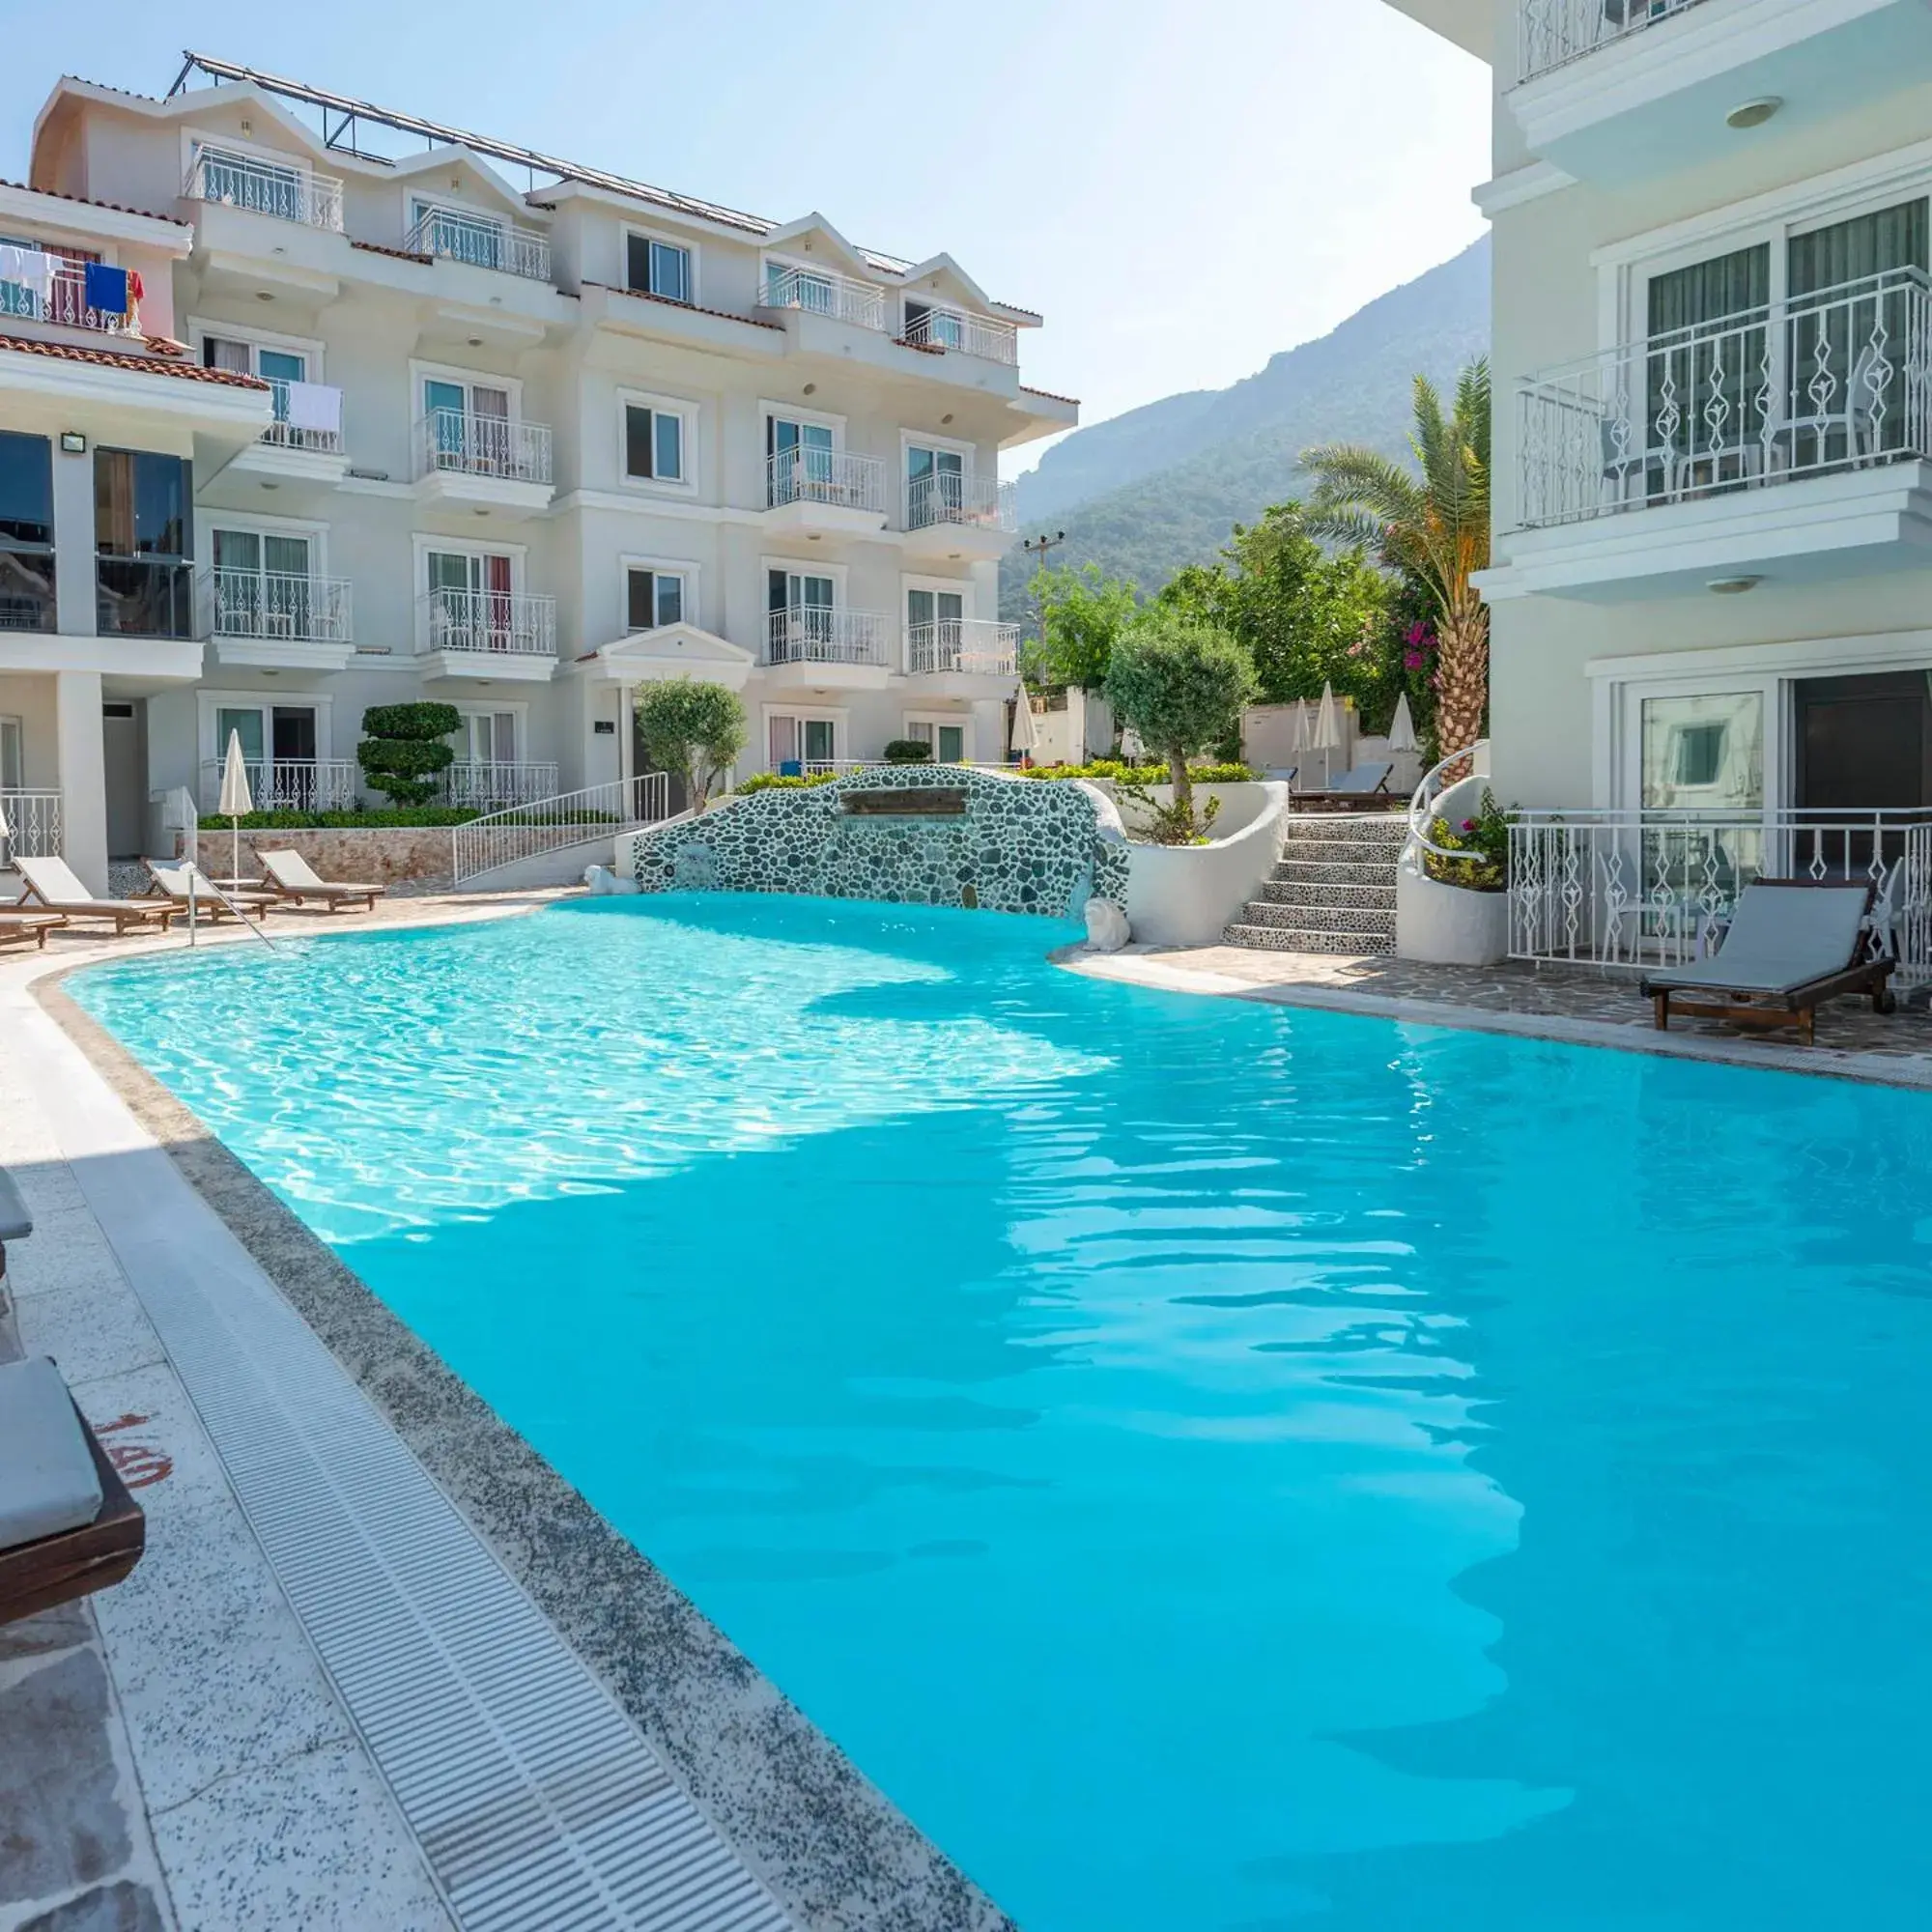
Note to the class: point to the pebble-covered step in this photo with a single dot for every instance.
(1283, 939)
(1356, 919)
(1333, 890)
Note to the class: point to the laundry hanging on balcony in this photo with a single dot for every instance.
(29, 268)
(315, 405)
(106, 288)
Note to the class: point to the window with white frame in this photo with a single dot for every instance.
(947, 737)
(654, 443)
(654, 267)
(653, 597)
(263, 584)
(802, 739)
(487, 738)
(13, 754)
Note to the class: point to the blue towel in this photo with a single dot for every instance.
(106, 289)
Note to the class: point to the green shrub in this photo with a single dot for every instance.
(1179, 685)
(403, 752)
(397, 819)
(1485, 837)
(781, 781)
(1145, 774)
(693, 729)
(908, 751)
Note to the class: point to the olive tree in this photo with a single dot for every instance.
(693, 729)
(1181, 685)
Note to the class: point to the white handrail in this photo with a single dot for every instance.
(496, 838)
(1436, 780)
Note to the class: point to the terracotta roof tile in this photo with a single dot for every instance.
(1018, 309)
(689, 309)
(87, 201)
(1049, 395)
(115, 358)
(401, 254)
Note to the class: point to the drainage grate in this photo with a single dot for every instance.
(536, 1800)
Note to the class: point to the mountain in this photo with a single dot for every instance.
(1162, 486)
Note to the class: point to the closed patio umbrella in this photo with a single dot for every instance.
(1327, 731)
(1402, 727)
(235, 799)
(1026, 735)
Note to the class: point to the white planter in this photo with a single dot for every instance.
(1186, 895)
(1447, 925)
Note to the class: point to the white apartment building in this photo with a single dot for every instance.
(472, 424)
(1711, 583)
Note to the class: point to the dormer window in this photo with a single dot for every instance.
(654, 267)
(934, 328)
(482, 240)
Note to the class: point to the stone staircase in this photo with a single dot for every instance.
(1333, 890)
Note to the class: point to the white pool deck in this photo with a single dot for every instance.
(222, 1742)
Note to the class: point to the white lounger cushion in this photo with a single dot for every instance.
(1781, 936)
(294, 874)
(48, 1482)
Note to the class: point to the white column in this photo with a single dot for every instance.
(73, 550)
(83, 777)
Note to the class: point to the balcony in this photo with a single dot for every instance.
(826, 490)
(277, 618)
(304, 443)
(960, 516)
(144, 597)
(1612, 90)
(487, 634)
(474, 785)
(952, 329)
(483, 464)
(64, 305)
(261, 187)
(287, 785)
(963, 647)
(502, 246)
(814, 647)
(27, 589)
(818, 292)
(1786, 441)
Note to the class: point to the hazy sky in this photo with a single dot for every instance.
(1181, 186)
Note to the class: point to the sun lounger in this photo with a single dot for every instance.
(1791, 944)
(28, 929)
(15, 1225)
(295, 878)
(1362, 788)
(51, 883)
(211, 902)
(67, 1526)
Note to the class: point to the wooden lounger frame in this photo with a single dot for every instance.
(16, 929)
(1763, 1012)
(55, 1570)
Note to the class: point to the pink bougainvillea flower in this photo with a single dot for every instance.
(1468, 825)
(1412, 660)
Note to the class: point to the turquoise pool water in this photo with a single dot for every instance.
(1215, 1468)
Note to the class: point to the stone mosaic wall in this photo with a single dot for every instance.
(1022, 846)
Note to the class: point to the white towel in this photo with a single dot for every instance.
(315, 405)
(30, 268)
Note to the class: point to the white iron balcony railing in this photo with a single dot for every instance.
(286, 435)
(503, 623)
(597, 814)
(483, 445)
(819, 293)
(969, 334)
(288, 193)
(64, 302)
(816, 633)
(831, 476)
(1550, 33)
(287, 785)
(32, 822)
(941, 497)
(1639, 889)
(972, 644)
(277, 603)
(482, 244)
(478, 784)
(1829, 382)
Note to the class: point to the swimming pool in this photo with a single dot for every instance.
(1213, 1465)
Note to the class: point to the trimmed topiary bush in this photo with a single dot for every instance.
(908, 751)
(403, 752)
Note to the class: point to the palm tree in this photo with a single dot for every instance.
(1431, 523)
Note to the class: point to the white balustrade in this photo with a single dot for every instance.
(495, 622)
(569, 819)
(32, 821)
(288, 192)
(969, 334)
(465, 442)
(491, 785)
(1640, 889)
(1835, 381)
(819, 292)
(816, 633)
(481, 244)
(1550, 33)
(286, 435)
(946, 497)
(834, 476)
(64, 302)
(287, 785)
(978, 645)
(277, 603)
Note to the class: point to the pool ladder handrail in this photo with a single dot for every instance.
(257, 927)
